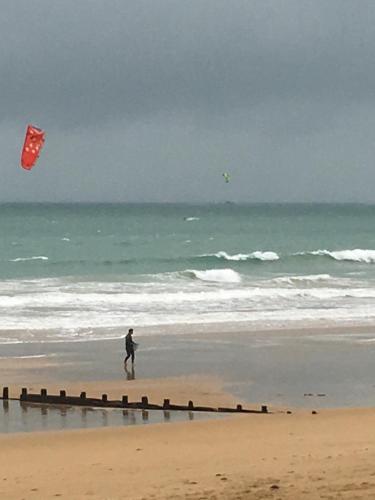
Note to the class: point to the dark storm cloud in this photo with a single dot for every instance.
(281, 90)
(81, 61)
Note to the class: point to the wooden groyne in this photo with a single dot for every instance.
(82, 400)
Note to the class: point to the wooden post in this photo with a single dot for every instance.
(82, 395)
(23, 393)
(166, 403)
(104, 398)
(43, 393)
(190, 405)
(125, 400)
(5, 393)
(62, 394)
(264, 409)
(144, 401)
(239, 408)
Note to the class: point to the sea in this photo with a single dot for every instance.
(80, 272)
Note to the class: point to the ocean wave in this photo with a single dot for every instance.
(304, 279)
(77, 301)
(215, 275)
(60, 314)
(24, 259)
(61, 308)
(89, 262)
(264, 255)
(359, 255)
(191, 219)
(355, 255)
(257, 255)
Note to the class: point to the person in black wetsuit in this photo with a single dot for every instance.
(129, 346)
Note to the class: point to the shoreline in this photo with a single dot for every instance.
(272, 367)
(210, 328)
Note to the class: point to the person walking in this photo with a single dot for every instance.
(130, 346)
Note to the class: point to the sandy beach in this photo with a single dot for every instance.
(327, 455)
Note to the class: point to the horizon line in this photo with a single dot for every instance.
(46, 202)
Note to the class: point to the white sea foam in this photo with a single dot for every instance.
(216, 275)
(55, 309)
(264, 255)
(65, 239)
(226, 256)
(355, 255)
(191, 219)
(31, 356)
(24, 259)
(304, 279)
(258, 255)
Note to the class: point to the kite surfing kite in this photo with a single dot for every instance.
(33, 144)
(226, 177)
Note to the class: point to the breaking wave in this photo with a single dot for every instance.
(304, 280)
(54, 309)
(258, 255)
(24, 259)
(355, 255)
(215, 275)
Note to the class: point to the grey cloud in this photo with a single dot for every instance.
(151, 100)
(91, 60)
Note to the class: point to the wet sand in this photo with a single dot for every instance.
(205, 391)
(265, 367)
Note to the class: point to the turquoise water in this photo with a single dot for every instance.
(68, 270)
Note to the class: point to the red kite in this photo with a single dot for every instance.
(34, 141)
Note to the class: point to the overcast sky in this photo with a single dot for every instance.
(153, 100)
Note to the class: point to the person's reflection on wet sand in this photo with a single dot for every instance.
(44, 416)
(104, 418)
(130, 374)
(84, 412)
